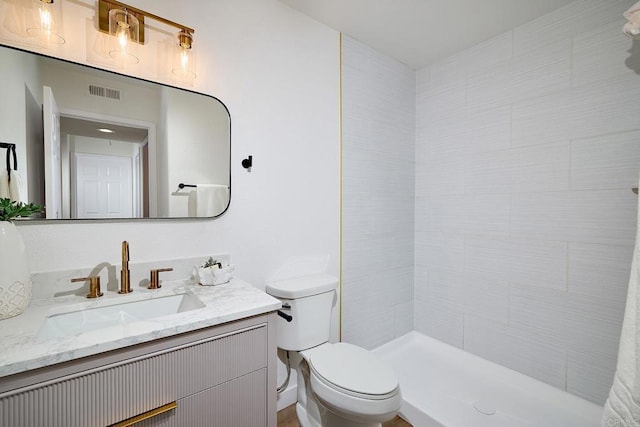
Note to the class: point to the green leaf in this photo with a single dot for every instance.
(210, 263)
(10, 209)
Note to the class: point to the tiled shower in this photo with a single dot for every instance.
(487, 198)
(377, 196)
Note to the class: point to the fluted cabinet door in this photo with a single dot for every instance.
(240, 402)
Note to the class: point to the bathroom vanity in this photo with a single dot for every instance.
(211, 363)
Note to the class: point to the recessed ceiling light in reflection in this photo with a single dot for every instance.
(106, 130)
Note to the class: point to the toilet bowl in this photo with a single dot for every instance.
(352, 383)
(339, 384)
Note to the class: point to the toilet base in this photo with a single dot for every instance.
(303, 417)
(329, 419)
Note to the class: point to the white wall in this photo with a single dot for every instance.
(34, 173)
(162, 155)
(378, 195)
(200, 153)
(70, 88)
(527, 148)
(278, 73)
(20, 75)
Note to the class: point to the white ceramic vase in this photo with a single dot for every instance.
(15, 279)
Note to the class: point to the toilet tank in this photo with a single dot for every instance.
(308, 300)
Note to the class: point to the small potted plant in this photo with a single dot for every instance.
(10, 210)
(213, 273)
(15, 280)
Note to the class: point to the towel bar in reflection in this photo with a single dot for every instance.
(181, 186)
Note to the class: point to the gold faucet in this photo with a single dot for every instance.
(125, 284)
(94, 285)
(154, 279)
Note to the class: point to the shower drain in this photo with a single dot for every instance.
(485, 408)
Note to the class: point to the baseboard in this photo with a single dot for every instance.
(288, 397)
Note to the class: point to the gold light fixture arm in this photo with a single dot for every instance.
(104, 6)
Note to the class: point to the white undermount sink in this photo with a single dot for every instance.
(91, 319)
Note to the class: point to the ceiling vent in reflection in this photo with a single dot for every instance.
(104, 92)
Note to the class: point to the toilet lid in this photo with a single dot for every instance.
(301, 287)
(353, 369)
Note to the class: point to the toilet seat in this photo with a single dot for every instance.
(352, 370)
(353, 381)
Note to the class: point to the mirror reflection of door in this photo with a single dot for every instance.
(103, 186)
(102, 168)
(52, 162)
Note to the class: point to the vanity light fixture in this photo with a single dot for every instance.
(126, 24)
(105, 130)
(125, 29)
(44, 21)
(184, 59)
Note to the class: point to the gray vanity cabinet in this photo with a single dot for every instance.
(240, 402)
(219, 376)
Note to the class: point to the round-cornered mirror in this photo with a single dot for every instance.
(92, 144)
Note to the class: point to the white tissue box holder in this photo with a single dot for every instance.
(210, 276)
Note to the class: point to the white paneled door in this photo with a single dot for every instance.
(103, 186)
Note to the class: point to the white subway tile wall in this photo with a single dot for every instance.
(520, 225)
(379, 111)
(526, 261)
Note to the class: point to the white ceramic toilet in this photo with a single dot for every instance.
(339, 385)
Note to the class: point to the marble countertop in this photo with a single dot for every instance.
(23, 349)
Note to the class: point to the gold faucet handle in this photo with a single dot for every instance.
(154, 280)
(94, 285)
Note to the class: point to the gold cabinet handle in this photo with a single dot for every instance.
(146, 415)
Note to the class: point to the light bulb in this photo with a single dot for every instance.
(123, 26)
(45, 19)
(184, 60)
(46, 22)
(123, 36)
(183, 67)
